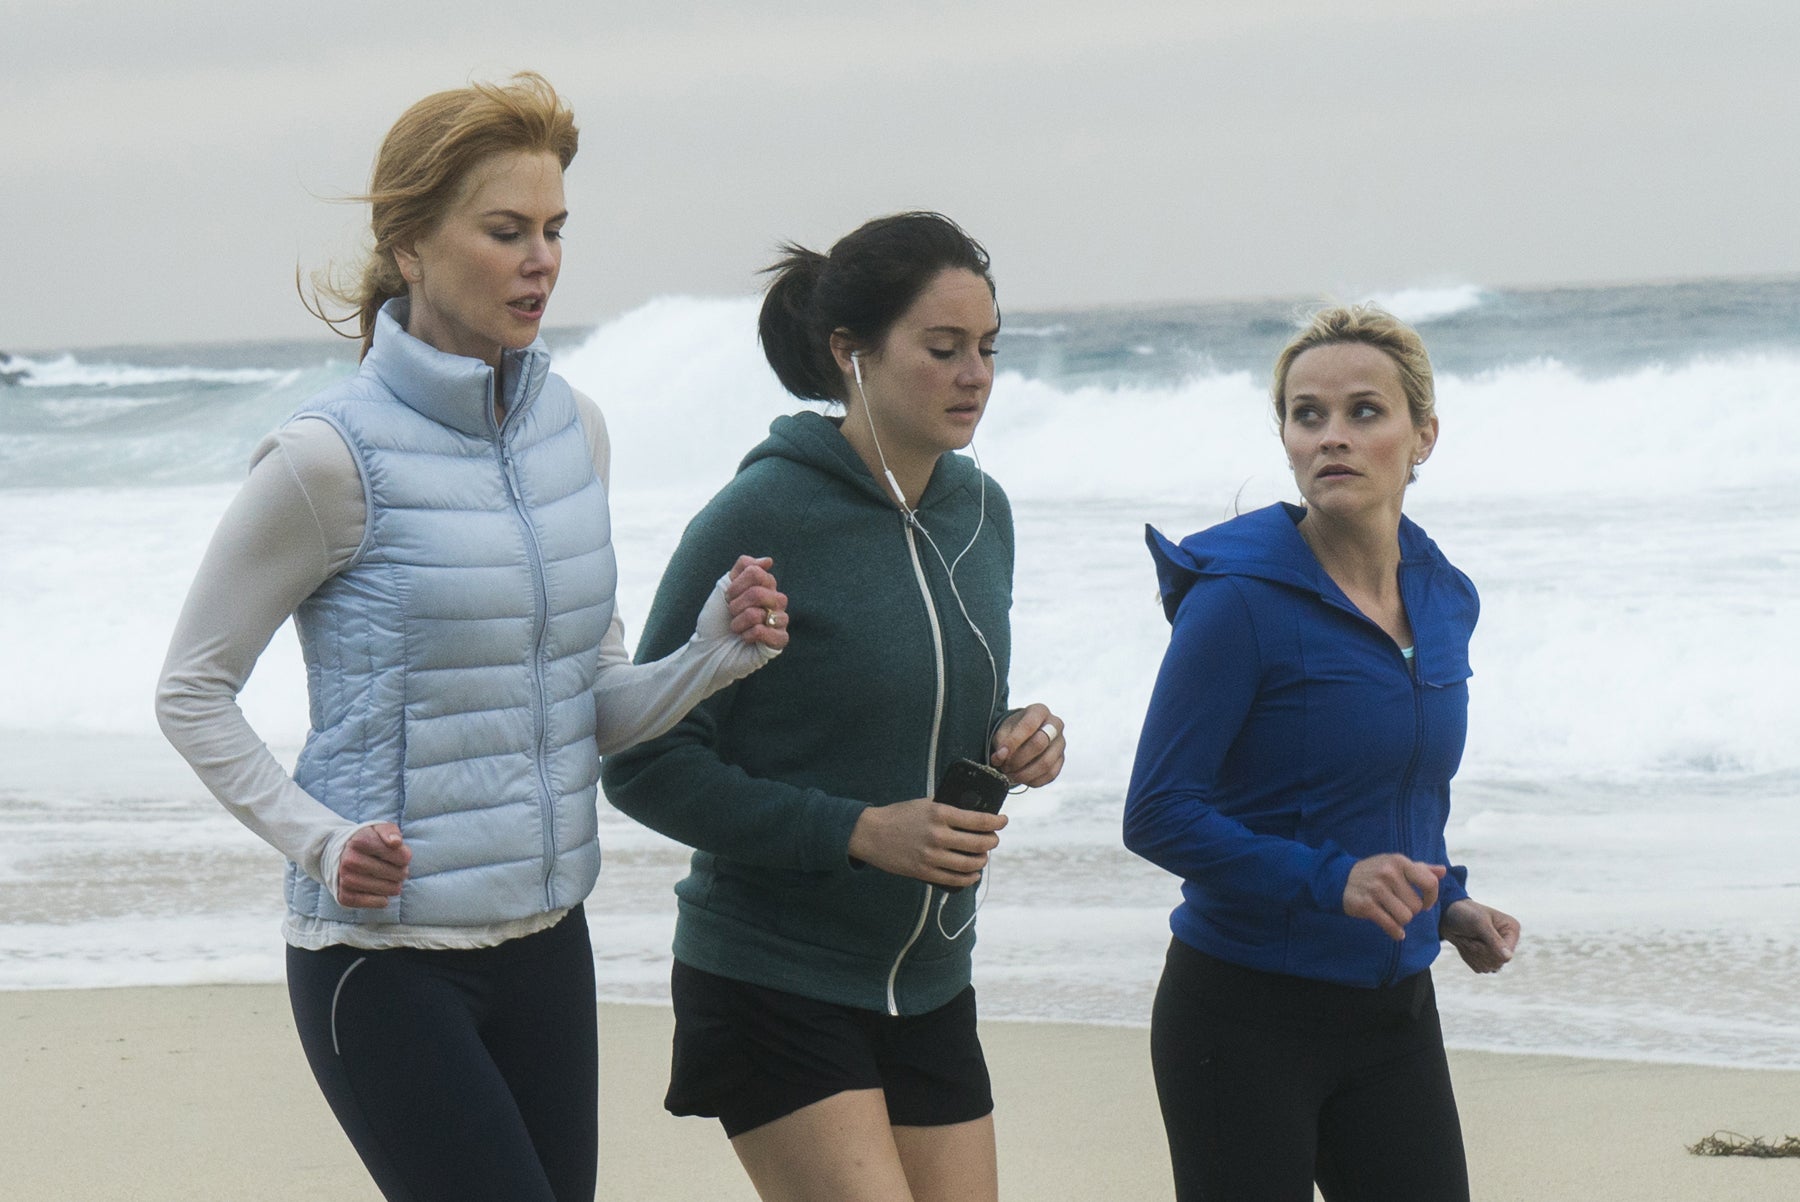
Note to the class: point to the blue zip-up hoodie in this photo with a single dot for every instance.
(1288, 737)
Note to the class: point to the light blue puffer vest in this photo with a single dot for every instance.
(451, 665)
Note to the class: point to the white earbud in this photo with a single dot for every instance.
(869, 415)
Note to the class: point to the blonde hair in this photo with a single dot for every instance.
(1368, 325)
(419, 173)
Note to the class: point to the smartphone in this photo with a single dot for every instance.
(968, 785)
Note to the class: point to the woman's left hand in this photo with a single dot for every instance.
(1029, 746)
(758, 608)
(1483, 936)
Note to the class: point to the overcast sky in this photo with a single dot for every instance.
(164, 167)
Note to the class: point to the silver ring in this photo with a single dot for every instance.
(1050, 731)
(772, 619)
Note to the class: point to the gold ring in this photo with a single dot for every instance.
(772, 619)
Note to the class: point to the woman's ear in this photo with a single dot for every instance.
(406, 258)
(845, 349)
(1427, 439)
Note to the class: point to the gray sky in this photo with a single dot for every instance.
(163, 166)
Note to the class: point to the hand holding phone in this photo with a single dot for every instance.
(914, 838)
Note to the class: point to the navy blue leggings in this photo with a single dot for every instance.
(460, 1074)
(1270, 1082)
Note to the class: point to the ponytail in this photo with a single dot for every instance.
(791, 341)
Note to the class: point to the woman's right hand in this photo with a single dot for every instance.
(373, 867)
(758, 607)
(939, 844)
(1390, 890)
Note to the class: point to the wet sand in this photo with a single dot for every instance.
(201, 1092)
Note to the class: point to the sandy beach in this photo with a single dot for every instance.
(200, 1093)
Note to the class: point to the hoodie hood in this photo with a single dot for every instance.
(1266, 544)
(818, 442)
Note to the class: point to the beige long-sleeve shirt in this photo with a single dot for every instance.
(297, 522)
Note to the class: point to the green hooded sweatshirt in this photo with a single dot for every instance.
(883, 683)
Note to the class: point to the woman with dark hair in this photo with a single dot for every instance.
(1295, 770)
(438, 527)
(821, 982)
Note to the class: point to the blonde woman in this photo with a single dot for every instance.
(437, 525)
(1295, 771)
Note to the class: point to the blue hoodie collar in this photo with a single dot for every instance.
(452, 390)
(1265, 544)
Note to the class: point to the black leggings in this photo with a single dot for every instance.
(460, 1074)
(1269, 1083)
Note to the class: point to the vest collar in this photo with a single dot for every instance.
(452, 390)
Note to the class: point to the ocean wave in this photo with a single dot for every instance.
(684, 387)
(121, 434)
(70, 372)
(686, 392)
(693, 366)
(1421, 305)
(1541, 430)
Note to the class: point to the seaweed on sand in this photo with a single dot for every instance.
(1730, 1143)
